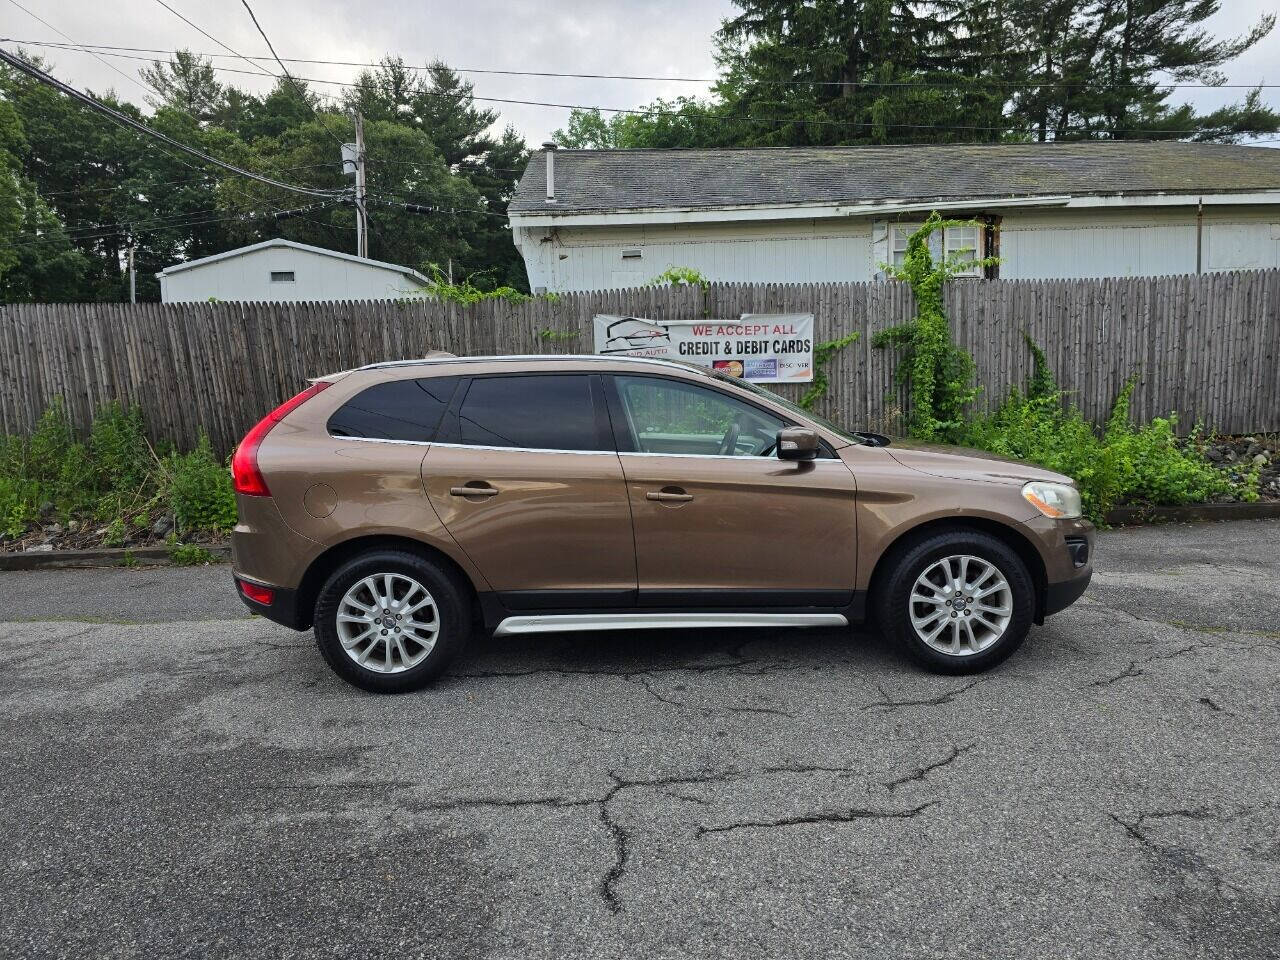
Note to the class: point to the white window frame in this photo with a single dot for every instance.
(942, 242)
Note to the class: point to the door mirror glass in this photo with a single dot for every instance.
(797, 443)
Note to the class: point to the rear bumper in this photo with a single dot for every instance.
(283, 608)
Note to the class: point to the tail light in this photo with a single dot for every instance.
(256, 592)
(245, 475)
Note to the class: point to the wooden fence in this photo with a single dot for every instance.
(1203, 346)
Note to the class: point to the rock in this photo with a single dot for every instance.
(1214, 454)
(40, 548)
(1260, 459)
(53, 529)
(1253, 449)
(73, 526)
(163, 524)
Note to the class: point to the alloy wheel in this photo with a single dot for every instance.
(961, 605)
(388, 622)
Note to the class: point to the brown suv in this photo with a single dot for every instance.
(397, 505)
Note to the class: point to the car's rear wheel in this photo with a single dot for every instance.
(960, 601)
(390, 621)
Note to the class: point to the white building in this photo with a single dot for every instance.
(599, 219)
(279, 270)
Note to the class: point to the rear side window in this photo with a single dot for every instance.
(399, 410)
(548, 412)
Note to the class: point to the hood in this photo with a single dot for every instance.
(962, 463)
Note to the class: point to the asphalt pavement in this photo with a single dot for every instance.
(179, 779)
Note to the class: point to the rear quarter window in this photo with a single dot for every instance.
(398, 410)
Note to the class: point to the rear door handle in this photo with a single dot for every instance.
(470, 491)
(668, 496)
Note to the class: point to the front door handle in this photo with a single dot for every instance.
(473, 491)
(669, 496)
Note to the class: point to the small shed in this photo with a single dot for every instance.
(282, 270)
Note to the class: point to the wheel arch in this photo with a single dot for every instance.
(1007, 534)
(322, 567)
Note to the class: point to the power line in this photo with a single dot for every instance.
(236, 53)
(31, 70)
(701, 80)
(73, 45)
(168, 183)
(782, 121)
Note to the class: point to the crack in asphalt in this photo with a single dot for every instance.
(835, 816)
(1270, 635)
(1179, 860)
(1135, 669)
(1132, 670)
(928, 768)
(888, 703)
(618, 832)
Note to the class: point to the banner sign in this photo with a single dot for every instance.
(765, 347)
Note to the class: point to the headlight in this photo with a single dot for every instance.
(1057, 500)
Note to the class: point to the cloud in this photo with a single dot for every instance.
(660, 38)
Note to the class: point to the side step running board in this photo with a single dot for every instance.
(559, 623)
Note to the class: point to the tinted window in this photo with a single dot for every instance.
(542, 412)
(669, 416)
(399, 410)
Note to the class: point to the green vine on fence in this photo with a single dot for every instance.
(686, 277)
(939, 374)
(822, 355)
(467, 292)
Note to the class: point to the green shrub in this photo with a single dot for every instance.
(198, 490)
(190, 555)
(19, 499)
(1121, 463)
(122, 460)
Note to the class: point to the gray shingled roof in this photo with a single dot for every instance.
(595, 180)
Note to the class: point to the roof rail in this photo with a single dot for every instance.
(440, 356)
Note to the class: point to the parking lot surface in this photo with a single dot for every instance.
(178, 779)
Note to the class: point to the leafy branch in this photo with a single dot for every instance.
(822, 354)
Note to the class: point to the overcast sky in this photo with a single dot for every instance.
(661, 38)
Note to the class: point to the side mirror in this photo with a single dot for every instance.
(797, 443)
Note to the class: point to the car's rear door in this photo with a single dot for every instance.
(525, 476)
(719, 520)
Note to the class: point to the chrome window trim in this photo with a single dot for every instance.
(478, 446)
(403, 443)
(594, 453)
(746, 458)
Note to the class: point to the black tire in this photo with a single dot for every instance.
(452, 608)
(893, 602)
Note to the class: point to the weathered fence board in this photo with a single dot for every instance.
(1206, 347)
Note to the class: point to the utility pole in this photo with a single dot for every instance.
(133, 280)
(362, 221)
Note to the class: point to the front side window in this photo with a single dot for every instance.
(545, 412)
(669, 416)
(398, 410)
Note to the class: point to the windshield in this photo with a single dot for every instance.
(795, 408)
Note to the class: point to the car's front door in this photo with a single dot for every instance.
(528, 482)
(719, 520)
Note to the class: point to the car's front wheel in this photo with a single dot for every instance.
(960, 601)
(390, 621)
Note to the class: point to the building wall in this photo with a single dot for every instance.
(1043, 244)
(316, 277)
